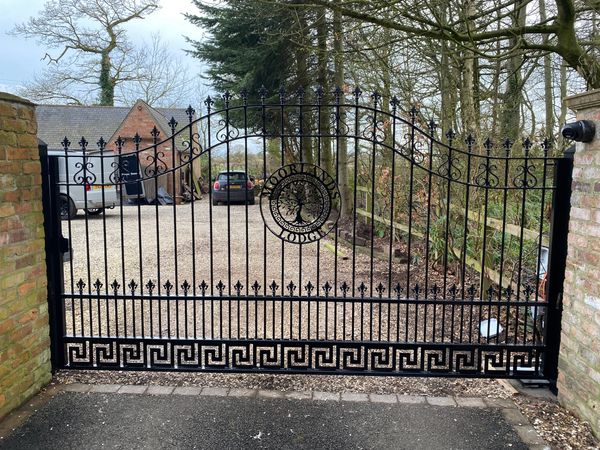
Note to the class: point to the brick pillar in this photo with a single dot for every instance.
(24, 333)
(579, 361)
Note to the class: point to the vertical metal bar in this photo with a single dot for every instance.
(85, 182)
(432, 127)
(525, 185)
(559, 228)
(157, 225)
(546, 147)
(190, 114)
(488, 147)
(209, 102)
(357, 94)
(174, 164)
(54, 256)
(227, 98)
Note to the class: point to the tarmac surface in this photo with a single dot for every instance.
(75, 420)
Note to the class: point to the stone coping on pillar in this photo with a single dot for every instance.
(5, 96)
(584, 100)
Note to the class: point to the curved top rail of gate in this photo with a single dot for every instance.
(405, 134)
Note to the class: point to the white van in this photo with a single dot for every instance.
(93, 197)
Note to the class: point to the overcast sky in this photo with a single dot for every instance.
(21, 59)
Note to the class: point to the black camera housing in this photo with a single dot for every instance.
(580, 131)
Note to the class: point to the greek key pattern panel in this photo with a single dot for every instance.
(306, 357)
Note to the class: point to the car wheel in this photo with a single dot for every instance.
(214, 202)
(66, 207)
(252, 200)
(94, 211)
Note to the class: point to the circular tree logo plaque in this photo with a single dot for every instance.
(300, 203)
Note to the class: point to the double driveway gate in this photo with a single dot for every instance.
(341, 236)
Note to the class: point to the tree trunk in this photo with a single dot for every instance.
(107, 85)
(510, 122)
(323, 81)
(345, 191)
(303, 80)
(548, 93)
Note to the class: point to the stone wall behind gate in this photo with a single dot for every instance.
(24, 332)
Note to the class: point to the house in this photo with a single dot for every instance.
(111, 122)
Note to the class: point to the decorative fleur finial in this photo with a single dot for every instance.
(527, 144)
(362, 288)
(291, 287)
(244, 96)
(376, 97)
(189, 112)
(115, 286)
(546, 145)
(101, 144)
(345, 288)
(168, 286)
(173, 124)
(413, 112)
(282, 94)
(150, 285)
(416, 290)
(470, 140)
(80, 285)
(432, 126)
(154, 132)
(327, 287)
(357, 93)
(98, 285)
(132, 286)
(220, 287)
(255, 288)
(83, 143)
(274, 286)
(320, 93)
(435, 290)
(262, 93)
(528, 291)
(209, 102)
(398, 290)
(203, 287)
(509, 292)
(453, 291)
(380, 289)
(300, 94)
(185, 287)
(309, 288)
(507, 145)
(394, 102)
(66, 143)
(488, 144)
(338, 93)
(471, 292)
(120, 142)
(238, 287)
(136, 140)
(490, 293)
(450, 135)
(227, 97)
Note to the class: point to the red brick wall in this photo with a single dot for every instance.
(140, 121)
(24, 332)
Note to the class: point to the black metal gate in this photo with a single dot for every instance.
(343, 235)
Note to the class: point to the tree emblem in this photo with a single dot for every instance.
(300, 203)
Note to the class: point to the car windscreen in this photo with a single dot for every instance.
(233, 176)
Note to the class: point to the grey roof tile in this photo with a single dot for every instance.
(57, 121)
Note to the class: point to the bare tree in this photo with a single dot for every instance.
(157, 76)
(87, 41)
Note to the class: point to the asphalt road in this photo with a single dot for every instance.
(94, 420)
